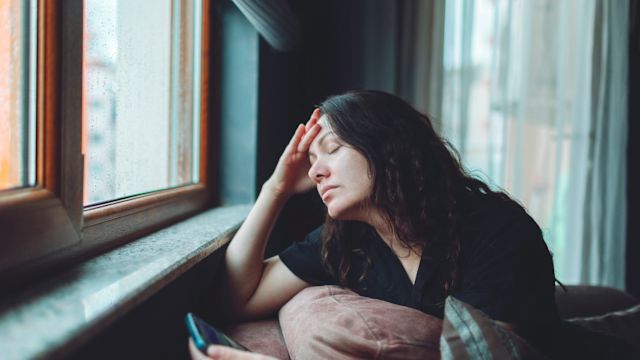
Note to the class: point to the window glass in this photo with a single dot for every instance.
(141, 96)
(18, 34)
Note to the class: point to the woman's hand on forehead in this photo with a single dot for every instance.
(314, 119)
(291, 173)
(312, 128)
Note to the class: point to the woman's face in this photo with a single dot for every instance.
(341, 175)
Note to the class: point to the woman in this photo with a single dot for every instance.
(404, 223)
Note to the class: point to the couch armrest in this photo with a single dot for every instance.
(587, 300)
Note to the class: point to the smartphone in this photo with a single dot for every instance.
(204, 334)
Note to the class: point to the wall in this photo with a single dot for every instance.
(238, 106)
(345, 45)
(633, 155)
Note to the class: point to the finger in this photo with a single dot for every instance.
(223, 352)
(194, 352)
(315, 116)
(305, 143)
(295, 139)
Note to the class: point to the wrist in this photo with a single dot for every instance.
(271, 189)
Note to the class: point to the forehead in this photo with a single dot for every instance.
(326, 132)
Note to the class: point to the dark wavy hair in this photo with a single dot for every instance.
(418, 182)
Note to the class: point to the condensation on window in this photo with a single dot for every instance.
(141, 118)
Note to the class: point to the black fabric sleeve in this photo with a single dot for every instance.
(305, 261)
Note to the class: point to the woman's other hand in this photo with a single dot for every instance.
(291, 174)
(224, 353)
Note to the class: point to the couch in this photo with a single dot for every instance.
(603, 309)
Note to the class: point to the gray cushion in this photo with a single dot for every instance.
(467, 333)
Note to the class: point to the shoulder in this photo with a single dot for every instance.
(503, 247)
(311, 242)
(489, 222)
(490, 211)
(304, 259)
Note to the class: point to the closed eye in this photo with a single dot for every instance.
(335, 149)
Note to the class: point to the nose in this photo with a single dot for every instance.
(318, 171)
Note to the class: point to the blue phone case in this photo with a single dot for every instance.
(204, 334)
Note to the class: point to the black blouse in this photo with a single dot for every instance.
(505, 269)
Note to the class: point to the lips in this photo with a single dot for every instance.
(325, 189)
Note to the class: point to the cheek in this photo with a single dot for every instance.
(362, 178)
(358, 180)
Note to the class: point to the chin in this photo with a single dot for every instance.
(347, 209)
(341, 213)
(335, 212)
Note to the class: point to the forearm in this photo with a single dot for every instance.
(244, 258)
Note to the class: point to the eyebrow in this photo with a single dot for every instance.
(321, 140)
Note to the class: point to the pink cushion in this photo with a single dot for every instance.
(263, 337)
(328, 322)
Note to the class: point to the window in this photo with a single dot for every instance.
(108, 136)
(141, 115)
(17, 87)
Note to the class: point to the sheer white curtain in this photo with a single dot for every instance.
(534, 98)
(606, 208)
